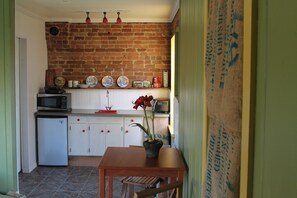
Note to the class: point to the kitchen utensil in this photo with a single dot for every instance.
(75, 83)
(70, 83)
(84, 86)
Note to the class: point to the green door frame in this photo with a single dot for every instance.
(8, 175)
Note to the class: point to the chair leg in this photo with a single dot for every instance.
(163, 182)
(172, 193)
(124, 190)
(131, 190)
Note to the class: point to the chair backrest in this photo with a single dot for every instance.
(178, 185)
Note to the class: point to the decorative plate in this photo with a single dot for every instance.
(122, 81)
(91, 81)
(107, 81)
(60, 81)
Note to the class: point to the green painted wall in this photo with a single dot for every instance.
(191, 75)
(8, 176)
(275, 158)
(275, 164)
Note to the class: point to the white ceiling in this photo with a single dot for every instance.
(75, 10)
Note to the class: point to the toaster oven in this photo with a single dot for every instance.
(162, 105)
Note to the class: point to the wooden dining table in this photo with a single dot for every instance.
(131, 161)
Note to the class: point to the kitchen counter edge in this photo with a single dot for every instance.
(91, 112)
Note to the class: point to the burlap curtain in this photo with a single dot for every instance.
(224, 97)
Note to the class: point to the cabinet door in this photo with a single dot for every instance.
(78, 119)
(97, 139)
(78, 139)
(133, 135)
(114, 135)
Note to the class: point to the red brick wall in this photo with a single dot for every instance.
(139, 51)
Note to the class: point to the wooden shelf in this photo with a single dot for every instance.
(126, 88)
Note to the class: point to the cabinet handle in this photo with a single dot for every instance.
(127, 131)
(132, 120)
(83, 130)
(102, 131)
(108, 131)
(78, 119)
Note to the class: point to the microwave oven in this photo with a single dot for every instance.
(54, 102)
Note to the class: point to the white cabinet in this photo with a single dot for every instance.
(90, 135)
(78, 136)
(97, 135)
(133, 135)
(105, 132)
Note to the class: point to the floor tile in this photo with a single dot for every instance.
(56, 179)
(64, 182)
(77, 179)
(48, 186)
(65, 194)
(40, 194)
(67, 186)
(91, 187)
(88, 194)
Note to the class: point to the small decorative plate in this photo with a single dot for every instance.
(122, 81)
(91, 81)
(59, 81)
(107, 81)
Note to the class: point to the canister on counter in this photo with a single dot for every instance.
(75, 83)
(70, 83)
(165, 78)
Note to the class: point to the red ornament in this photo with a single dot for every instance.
(105, 20)
(119, 20)
(88, 19)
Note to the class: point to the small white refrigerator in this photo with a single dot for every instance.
(52, 147)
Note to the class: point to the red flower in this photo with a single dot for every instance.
(143, 102)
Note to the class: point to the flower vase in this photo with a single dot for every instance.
(152, 148)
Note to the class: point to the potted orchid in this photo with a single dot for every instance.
(151, 145)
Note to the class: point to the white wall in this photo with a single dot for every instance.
(120, 99)
(32, 29)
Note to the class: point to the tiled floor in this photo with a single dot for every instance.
(71, 181)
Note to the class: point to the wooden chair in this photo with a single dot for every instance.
(175, 189)
(131, 181)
